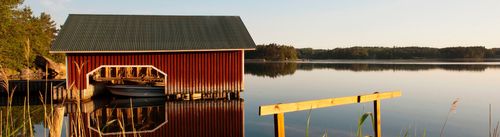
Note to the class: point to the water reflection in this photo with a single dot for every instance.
(159, 117)
(140, 115)
(137, 117)
(276, 69)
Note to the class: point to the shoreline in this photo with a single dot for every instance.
(495, 61)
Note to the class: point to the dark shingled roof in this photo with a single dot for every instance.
(82, 33)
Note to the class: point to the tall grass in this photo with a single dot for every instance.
(359, 132)
(368, 116)
(20, 124)
(27, 56)
(495, 132)
(8, 129)
(452, 110)
(308, 122)
(78, 128)
(406, 132)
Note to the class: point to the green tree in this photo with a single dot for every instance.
(272, 52)
(19, 26)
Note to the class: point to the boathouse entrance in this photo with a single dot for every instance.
(125, 76)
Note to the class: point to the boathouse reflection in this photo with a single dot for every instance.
(158, 117)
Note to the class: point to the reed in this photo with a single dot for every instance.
(1, 122)
(8, 129)
(325, 134)
(27, 55)
(133, 124)
(11, 124)
(78, 128)
(361, 121)
(120, 123)
(308, 122)
(406, 132)
(359, 131)
(21, 124)
(452, 110)
(495, 132)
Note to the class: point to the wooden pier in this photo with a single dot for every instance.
(57, 90)
(279, 110)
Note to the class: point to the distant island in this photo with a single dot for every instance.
(278, 52)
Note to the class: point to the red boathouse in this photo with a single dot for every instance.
(194, 54)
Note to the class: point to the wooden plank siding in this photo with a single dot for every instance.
(187, 72)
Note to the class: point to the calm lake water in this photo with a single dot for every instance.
(428, 89)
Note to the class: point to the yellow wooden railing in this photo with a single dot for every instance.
(280, 109)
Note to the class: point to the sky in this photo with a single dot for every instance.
(325, 24)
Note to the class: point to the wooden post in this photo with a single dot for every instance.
(57, 121)
(128, 72)
(117, 71)
(148, 71)
(108, 75)
(378, 124)
(138, 71)
(279, 125)
(139, 115)
(99, 73)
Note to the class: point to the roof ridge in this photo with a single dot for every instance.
(178, 15)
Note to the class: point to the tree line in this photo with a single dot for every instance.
(20, 28)
(477, 52)
(274, 69)
(284, 52)
(272, 52)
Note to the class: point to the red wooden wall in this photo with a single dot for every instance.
(187, 72)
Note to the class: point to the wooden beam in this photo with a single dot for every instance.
(313, 104)
(279, 125)
(379, 96)
(130, 78)
(378, 121)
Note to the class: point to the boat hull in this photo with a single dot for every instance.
(136, 91)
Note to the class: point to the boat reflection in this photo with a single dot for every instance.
(158, 117)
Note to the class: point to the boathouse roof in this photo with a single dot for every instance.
(94, 33)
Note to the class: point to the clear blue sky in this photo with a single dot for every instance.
(323, 23)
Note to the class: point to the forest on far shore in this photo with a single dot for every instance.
(286, 52)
